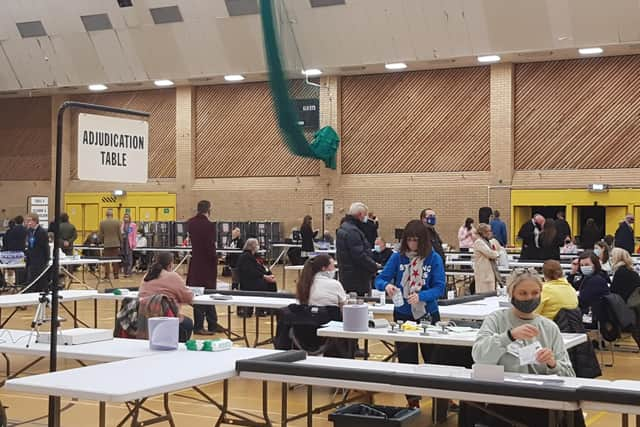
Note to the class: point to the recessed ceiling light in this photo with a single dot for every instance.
(163, 83)
(311, 72)
(234, 77)
(590, 51)
(98, 87)
(489, 58)
(395, 66)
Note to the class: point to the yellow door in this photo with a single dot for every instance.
(76, 217)
(613, 216)
(521, 214)
(166, 214)
(90, 220)
(148, 214)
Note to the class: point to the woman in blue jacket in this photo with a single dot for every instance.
(417, 272)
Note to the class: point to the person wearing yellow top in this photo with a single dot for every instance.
(557, 293)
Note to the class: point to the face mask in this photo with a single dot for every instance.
(331, 274)
(431, 220)
(587, 270)
(376, 248)
(597, 251)
(365, 219)
(526, 306)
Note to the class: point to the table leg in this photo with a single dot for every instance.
(309, 406)
(95, 313)
(265, 403)
(255, 343)
(75, 314)
(283, 410)
(102, 418)
(366, 349)
(625, 420)
(167, 410)
(229, 322)
(7, 364)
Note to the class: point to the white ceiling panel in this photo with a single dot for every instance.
(202, 50)
(476, 25)
(8, 79)
(131, 56)
(516, 25)
(84, 63)
(202, 10)
(594, 21)
(560, 24)
(457, 32)
(241, 38)
(112, 57)
(27, 58)
(158, 50)
(629, 20)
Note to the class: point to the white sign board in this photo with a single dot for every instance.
(40, 205)
(328, 206)
(112, 149)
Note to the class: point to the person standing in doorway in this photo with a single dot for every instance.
(562, 226)
(499, 229)
(590, 234)
(111, 239)
(129, 232)
(37, 255)
(428, 218)
(624, 234)
(203, 268)
(530, 234)
(357, 267)
(68, 234)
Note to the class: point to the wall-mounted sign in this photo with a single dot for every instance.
(40, 206)
(112, 149)
(327, 206)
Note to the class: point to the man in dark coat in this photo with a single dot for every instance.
(529, 233)
(428, 218)
(624, 235)
(562, 226)
(15, 240)
(353, 251)
(37, 255)
(370, 228)
(203, 268)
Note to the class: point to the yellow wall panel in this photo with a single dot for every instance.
(166, 214)
(148, 214)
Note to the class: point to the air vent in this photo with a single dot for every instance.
(67, 88)
(325, 3)
(97, 22)
(31, 29)
(8, 93)
(242, 7)
(534, 55)
(353, 69)
(134, 84)
(166, 15)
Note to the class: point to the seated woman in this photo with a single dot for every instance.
(601, 249)
(417, 274)
(485, 253)
(317, 284)
(557, 293)
(593, 286)
(161, 279)
(252, 275)
(625, 282)
(503, 338)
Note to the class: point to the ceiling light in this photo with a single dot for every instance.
(234, 77)
(311, 72)
(163, 83)
(98, 87)
(590, 51)
(395, 66)
(488, 58)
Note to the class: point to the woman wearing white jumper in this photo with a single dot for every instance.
(507, 336)
(486, 251)
(317, 285)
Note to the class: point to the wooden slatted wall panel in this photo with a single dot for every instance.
(423, 121)
(237, 134)
(578, 114)
(162, 125)
(25, 139)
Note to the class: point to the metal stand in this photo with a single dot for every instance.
(40, 317)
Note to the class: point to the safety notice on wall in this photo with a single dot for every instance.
(112, 149)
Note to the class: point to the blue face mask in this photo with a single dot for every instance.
(377, 248)
(431, 220)
(597, 251)
(587, 270)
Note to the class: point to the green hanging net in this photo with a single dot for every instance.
(292, 95)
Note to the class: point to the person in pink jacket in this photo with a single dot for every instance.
(129, 232)
(465, 235)
(161, 279)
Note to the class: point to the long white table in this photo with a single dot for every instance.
(135, 380)
(474, 310)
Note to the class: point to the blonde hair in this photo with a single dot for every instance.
(520, 275)
(34, 216)
(621, 258)
(483, 229)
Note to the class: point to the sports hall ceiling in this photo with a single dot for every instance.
(45, 46)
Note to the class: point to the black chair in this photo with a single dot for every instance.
(614, 318)
(583, 357)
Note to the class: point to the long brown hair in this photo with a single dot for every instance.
(162, 262)
(549, 232)
(306, 222)
(310, 269)
(416, 228)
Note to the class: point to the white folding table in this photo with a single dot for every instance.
(133, 381)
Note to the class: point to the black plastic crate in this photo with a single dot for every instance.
(362, 415)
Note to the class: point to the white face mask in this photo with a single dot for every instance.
(331, 274)
(365, 219)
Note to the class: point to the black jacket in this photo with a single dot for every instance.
(383, 256)
(15, 239)
(589, 236)
(307, 238)
(624, 237)
(529, 250)
(37, 254)
(250, 273)
(564, 229)
(583, 357)
(592, 289)
(550, 250)
(624, 282)
(436, 242)
(355, 261)
(370, 230)
(232, 259)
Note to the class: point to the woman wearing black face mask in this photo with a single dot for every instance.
(521, 341)
(594, 285)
